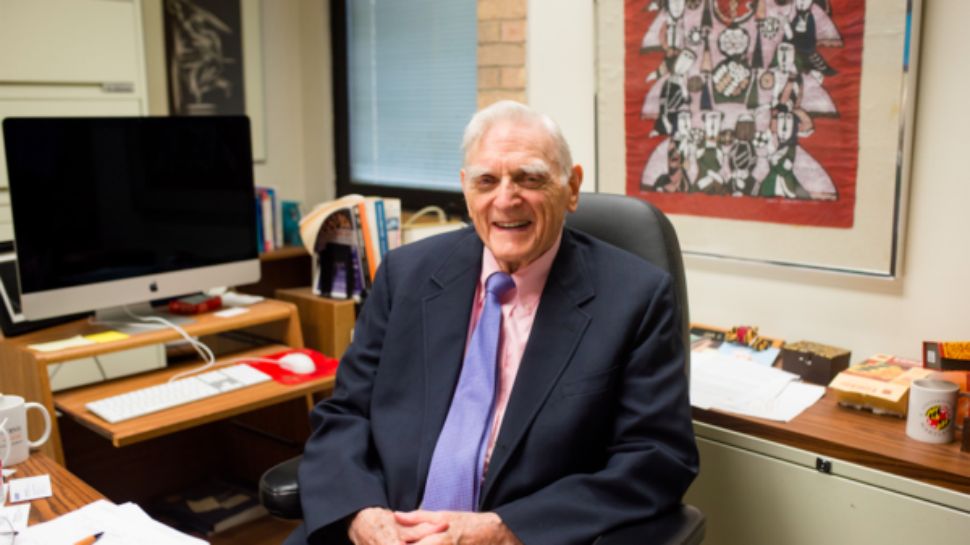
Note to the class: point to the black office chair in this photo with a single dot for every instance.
(637, 227)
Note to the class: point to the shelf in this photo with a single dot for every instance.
(190, 415)
(204, 324)
(286, 252)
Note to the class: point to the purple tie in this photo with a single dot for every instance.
(456, 465)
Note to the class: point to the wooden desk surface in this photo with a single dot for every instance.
(860, 437)
(189, 415)
(70, 493)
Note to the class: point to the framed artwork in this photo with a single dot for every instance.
(774, 131)
(213, 57)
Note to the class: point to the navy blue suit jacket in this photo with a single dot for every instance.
(597, 432)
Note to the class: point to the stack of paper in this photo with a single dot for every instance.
(124, 524)
(719, 381)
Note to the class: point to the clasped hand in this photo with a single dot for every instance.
(378, 526)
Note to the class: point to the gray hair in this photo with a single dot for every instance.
(512, 111)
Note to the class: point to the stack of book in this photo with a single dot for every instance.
(879, 384)
(272, 218)
(347, 238)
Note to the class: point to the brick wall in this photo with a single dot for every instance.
(501, 50)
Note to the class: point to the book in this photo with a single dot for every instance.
(392, 218)
(330, 234)
(265, 218)
(290, 210)
(879, 384)
(381, 221)
(210, 508)
(258, 203)
(368, 223)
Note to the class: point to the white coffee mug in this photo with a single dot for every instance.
(932, 410)
(15, 445)
(4, 450)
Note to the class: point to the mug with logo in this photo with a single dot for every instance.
(932, 410)
(15, 444)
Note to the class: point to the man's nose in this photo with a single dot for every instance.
(508, 192)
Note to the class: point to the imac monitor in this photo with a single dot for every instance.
(115, 211)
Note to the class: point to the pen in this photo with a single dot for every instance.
(90, 539)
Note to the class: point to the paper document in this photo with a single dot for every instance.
(765, 357)
(230, 312)
(124, 524)
(54, 346)
(234, 299)
(29, 488)
(722, 382)
(18, 515)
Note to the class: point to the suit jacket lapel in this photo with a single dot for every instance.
(445, 313)
(557, 330)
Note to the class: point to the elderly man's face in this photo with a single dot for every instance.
(515, 193)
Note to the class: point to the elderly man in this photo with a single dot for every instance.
(516, 383)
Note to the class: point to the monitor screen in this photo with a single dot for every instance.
(114, 211)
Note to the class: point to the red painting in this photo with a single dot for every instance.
(745, 109)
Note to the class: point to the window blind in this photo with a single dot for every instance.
(412, 81)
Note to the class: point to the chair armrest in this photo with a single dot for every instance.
(682, 526)
(279, 490)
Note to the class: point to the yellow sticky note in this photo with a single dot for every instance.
(106, 336)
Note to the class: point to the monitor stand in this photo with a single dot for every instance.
(122, 319)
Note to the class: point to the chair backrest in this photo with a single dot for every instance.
(639, 228)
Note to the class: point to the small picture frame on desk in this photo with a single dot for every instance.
(12, 320)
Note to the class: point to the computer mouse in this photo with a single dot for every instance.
(297, 362)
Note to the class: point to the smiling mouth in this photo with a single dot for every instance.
(511, 224)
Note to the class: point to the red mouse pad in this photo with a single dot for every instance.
(325, 366)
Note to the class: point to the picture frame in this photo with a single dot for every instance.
(12, 320)
(246, 73)
(866, 237)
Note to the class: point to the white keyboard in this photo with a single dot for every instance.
(136, 403)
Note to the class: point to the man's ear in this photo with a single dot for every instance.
(575, 181)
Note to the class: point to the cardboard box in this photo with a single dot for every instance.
(880, 384)
(946, 356)
(327, 324)
(814, 362)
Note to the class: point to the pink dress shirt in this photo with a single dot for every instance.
(518, 312)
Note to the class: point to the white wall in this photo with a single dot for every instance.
(931, 300)
(561, 79)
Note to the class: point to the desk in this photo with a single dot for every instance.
(23, 371)
(70, 493)
(183, 445)
(759, 483)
